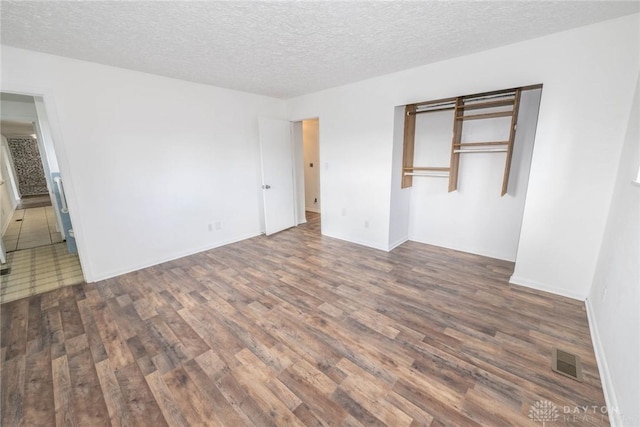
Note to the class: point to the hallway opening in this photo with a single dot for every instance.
(38, 250)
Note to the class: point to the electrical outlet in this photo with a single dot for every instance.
(210, 227)
(217, 225)
(366, 223)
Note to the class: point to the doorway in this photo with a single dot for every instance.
(307, 145)
(38, 250)
(290, 165)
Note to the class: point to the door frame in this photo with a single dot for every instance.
(297, 141)
(49, 106)
(299, 179)
(47, 157)
(298, 170)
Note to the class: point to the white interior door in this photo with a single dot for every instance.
(276, 152)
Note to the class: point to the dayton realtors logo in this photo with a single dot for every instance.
(544, 411)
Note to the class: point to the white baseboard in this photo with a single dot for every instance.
(521, 281)
(469, 250)
(8, 216)
(397, 243)
(357, 242)
(119, 272)
(615, 418)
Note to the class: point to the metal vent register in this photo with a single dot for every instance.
(566, 364)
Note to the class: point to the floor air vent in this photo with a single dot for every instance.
(5, 271)
(566, 364)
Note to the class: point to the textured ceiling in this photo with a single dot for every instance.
(284, 49)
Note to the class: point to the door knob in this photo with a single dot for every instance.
(266, 187)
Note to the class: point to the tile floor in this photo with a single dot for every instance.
(38, 270)
(36, 255)
(30, 228)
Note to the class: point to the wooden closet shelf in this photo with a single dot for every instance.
(509, 98)
(488, 104)
(486, 115)
(426, 168)
(472, 144)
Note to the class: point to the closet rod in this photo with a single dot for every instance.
(482, 98)
(432, 110)
(451, 105)
(476, 96)
(482, 150)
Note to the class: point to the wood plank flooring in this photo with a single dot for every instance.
(297, 329)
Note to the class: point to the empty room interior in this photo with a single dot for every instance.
(320, 213)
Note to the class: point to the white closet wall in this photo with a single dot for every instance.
(475, 218)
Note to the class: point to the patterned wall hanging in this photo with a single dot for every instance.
(28, 165)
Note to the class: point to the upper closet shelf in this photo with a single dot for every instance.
(461, 106)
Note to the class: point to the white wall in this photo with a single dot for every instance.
(587, 74)
(355, 148)
(582, 127)
(45, 143)
(8, 194)
(475, 218)
(614, 300)
(400, 197)
(298, 172)
(18, 108)
(149, 161)
(311, 146)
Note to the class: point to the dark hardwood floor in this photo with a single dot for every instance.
(298, 329)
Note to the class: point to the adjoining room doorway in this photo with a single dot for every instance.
(38, 250)
(311, 155)
(307, 165)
